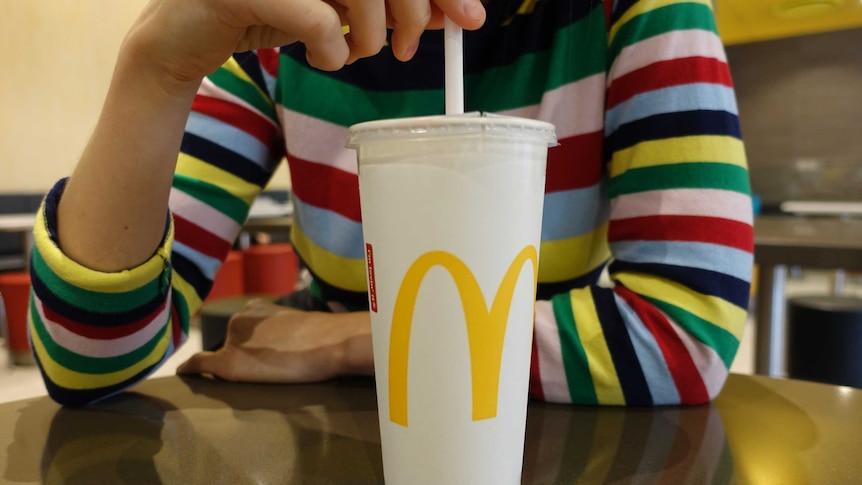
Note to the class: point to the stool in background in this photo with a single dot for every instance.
(824, 339)
(15, 290)
(230, 279)
(271, 269)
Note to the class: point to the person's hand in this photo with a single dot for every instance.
(189, 39)
(120, 188)
(270, 343)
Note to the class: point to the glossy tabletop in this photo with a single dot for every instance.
(194, 430)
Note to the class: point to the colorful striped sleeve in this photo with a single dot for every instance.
(679, 230)
(95, 334)
(231, 147)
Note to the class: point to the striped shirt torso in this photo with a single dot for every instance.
(649, 175)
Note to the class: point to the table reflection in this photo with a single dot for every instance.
(616, 445)
(194, 430)
(251, 434)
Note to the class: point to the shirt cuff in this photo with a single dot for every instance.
(48, 252)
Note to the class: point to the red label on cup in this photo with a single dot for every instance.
(372, 287)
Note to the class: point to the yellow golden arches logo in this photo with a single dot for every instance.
(486, 329)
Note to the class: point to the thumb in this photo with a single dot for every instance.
(203, 363)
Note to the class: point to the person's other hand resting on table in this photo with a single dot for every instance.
(270, 343)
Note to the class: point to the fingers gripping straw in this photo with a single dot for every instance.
(451, 215)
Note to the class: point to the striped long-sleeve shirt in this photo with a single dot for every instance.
(649, 181)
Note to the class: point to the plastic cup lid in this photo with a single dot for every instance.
(466, 124)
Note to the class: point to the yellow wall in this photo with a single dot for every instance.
(58, 59)
(742, 21)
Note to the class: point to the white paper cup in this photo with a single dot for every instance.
(452, 212)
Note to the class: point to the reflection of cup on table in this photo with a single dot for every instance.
(452, 211)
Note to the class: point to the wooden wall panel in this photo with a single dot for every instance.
(800, 103)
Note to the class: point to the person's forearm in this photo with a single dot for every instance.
(112, 214)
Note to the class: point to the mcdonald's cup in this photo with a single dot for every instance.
(452, 212)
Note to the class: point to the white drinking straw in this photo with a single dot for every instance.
(454, 64)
